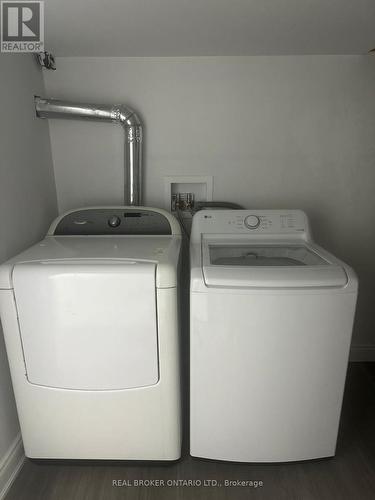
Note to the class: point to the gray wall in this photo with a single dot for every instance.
(27, 190)
(274, 132)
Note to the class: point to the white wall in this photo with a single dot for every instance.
(274, 132)
(27, 192)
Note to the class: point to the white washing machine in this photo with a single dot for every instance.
(90, 320)
(270, 330)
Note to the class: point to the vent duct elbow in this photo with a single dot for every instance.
(122, 114)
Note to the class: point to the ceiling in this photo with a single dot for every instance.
(208, 27)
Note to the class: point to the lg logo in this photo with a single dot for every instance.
(22, 26)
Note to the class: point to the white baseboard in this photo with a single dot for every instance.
(10, 465)
(362, 353)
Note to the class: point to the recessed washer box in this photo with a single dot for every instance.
(200, 186)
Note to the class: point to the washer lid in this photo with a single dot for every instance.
(268, 265)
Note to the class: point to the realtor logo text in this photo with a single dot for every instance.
(22, 26)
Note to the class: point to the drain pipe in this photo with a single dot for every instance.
(54, 108)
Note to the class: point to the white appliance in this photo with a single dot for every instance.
(90, 320)
(270, 329)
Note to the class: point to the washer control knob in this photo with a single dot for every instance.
(114, 221)
(252, 221)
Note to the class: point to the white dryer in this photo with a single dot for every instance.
(90, 320)
(270, 328)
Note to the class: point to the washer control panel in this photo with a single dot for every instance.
(251, 222)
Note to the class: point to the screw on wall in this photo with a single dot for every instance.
(46, 60)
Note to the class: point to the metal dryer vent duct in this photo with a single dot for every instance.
(54, 108)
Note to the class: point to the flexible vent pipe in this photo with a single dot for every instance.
(53, 108)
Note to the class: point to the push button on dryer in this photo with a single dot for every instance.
(114, 221)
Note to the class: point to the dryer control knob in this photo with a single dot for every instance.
(252, 221)
(114, 221)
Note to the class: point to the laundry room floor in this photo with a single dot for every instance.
(348, 476)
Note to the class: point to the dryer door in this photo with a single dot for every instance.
(88, 324)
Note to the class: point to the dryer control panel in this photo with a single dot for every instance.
(114, 221)
(249, 222)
